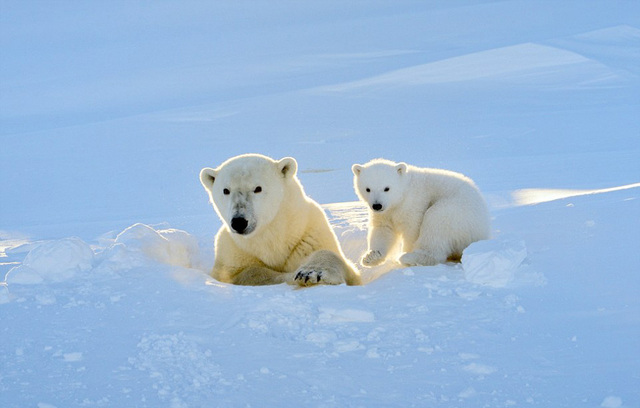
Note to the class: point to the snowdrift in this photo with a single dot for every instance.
(495, 263)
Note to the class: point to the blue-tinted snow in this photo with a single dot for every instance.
(109, 110)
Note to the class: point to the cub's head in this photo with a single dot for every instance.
(247, 190)
(380, 183)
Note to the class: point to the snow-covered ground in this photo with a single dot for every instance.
(109, 110)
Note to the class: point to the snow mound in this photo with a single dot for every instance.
(138, 245)
(53, 261)
(167, 246)
(497, 263)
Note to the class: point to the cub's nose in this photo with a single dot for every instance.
(377, 207)
(239, 224)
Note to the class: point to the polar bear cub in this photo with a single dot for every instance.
(434, 213)
(272, 232)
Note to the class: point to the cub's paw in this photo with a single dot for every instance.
(309, 276)
(417, 258)
(372, 258)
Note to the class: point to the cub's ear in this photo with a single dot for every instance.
(356, 169)
(288, 166)
(401, 168)
(207, 177)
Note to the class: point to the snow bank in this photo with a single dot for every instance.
(65, 259)
(493, 263)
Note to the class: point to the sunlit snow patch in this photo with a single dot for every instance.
(531, 196)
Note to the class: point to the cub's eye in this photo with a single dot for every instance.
(258, 190)
(368, 190)
(226, 191)
(386, 189)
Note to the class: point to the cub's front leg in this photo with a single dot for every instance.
(372, 258)
(380, 241)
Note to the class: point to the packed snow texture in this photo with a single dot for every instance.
(108, 113)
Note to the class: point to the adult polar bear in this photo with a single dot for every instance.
(436, 213)
(272, 232)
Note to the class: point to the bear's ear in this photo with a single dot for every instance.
(401, 168)
(207, 177)
(356, 169)
(288, 166)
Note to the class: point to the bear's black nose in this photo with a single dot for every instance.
(377, 207)
(239, 224)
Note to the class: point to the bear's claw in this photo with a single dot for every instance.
(309, 277)
(306, 275)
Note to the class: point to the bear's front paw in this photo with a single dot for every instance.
(372, 258)
(309, 276)
(417, 258)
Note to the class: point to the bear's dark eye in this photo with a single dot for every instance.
(386, 189)
(368, 190)
(226, 191)
(258, 190)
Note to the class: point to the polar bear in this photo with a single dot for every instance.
(272, 232)
(435, 213)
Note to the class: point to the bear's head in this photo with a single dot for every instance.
(380, 183)
(246, 191)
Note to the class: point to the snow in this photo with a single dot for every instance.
(109, 111)
(493, 263)
(514, 63)
(611, 402)
(53, 261)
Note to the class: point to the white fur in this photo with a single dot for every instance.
(286, 236)
(434, 213)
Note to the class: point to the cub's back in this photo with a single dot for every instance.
(442, 183)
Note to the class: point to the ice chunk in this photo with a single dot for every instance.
(493, 262)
